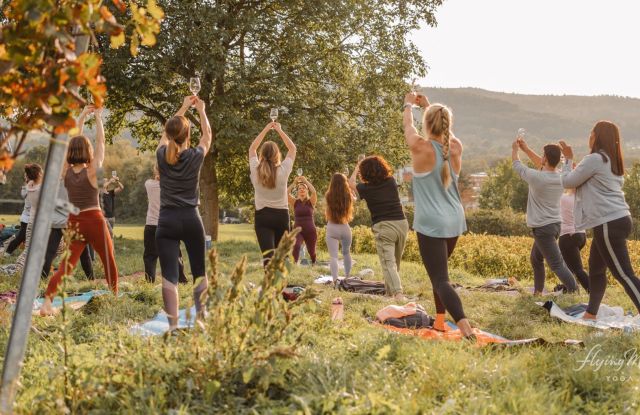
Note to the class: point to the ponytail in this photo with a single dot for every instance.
(177, 130)
(446, 169)
(437, 122)
(268, 166)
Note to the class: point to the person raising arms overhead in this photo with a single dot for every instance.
(303, 205)
(439, 216)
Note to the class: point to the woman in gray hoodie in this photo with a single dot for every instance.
(600, 205)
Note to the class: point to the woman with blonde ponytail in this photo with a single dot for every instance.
(269, 176)
(179, 220)
(439, 217)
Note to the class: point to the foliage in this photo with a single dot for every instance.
(503, 222)
(335, 69)
(504, 189)
(632, 189)
(41, 70)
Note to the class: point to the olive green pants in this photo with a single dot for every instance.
(391, 238)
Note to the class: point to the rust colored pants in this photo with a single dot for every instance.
(93, 230)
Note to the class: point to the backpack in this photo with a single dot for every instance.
(356, 285)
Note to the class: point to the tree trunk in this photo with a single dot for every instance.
(209, 205)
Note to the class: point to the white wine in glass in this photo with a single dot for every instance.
(273, 114)
(522, 132)
(194, 85)
(299, 171)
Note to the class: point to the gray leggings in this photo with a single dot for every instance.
(545, 247)
(337, 234)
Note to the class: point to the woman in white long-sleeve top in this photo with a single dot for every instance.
(600, 205)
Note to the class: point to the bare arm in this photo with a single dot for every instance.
(186, 104)
(120, 186)
(291, 147)
(205, 127)
(313, 194)
(353, 179)
(411, 135)
(290, 197)
(253, 149)
(98, 157)
(533, 156)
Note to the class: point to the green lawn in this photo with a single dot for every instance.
(347, 367)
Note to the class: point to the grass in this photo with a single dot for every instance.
(346, 367)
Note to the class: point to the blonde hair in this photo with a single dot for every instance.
(437, 122)
(177, 130)
(269, 161)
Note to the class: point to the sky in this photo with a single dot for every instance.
(573, 47)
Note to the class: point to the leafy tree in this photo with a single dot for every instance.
(40, 69)
(504, 189)
(336, 70)
(632, 189)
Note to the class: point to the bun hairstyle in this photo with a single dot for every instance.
(33, 171)
(552, 153)
(607, 140)
(375, 170)
(268, 167)
(80, 150)
(177, 130)
(339, 200)
(437, 122)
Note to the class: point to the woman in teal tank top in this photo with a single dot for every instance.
(439, 216)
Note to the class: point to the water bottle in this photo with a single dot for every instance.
(207, 242)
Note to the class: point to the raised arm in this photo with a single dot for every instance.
(353, 183)
(533, 156)
(253, 149)
(313, 194)
(205, 127)
(291, 147)
(186, 104)
(83, 116)
(98, 157)
(290, 197)
(411, 135)
(573, 178)
(120, 186)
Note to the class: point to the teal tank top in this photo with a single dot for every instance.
(438, 211)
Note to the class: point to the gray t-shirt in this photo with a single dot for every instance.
(179, 183)
(545, 191)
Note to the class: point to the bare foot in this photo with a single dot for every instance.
(588, 316)
(47, 309)
(465, 327)
(400, 297)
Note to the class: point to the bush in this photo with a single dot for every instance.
(504, 222)
(484, 255)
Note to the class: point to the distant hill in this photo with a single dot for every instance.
(487, 122)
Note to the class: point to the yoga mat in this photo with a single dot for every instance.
(453, 333)
(607, 318)
(74, 301)
(160, 324)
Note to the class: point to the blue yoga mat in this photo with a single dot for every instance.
(82, 298)
(160, 324)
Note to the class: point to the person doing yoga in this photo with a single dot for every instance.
(339, 212)
(379, 189)
(572, 241)
(600, 205)
(303, 204)
(81, 180)
(543, 212)
(179, 166)
(269, 176)
(439, 216)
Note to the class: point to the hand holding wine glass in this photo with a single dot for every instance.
(299, 172)
(273, 114)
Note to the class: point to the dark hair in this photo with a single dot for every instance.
(339, 200)
(80, 150)
(33, 171)
(552, 153)
(374, 170)
(607, 141)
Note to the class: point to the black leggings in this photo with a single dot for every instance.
(52, 248)
(150, 256)
(609, 250)
(20, 238)
(570, 247)
(435, 253)
(270, 225)
(175, 225)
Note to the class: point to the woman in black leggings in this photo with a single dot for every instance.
(179, 166)
(601, 206)
(572, 242)
(269, 176)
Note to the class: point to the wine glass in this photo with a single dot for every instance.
(273, 114)
(346, 171)
(413, 85)
(299, 172)
(194, 85)
(521, 132)
(361, 157)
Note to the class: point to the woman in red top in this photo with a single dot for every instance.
(81, 181)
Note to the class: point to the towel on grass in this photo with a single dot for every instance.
(607, 318)
(160, 323)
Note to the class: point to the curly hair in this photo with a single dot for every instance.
(339, 200)
(375, 170)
